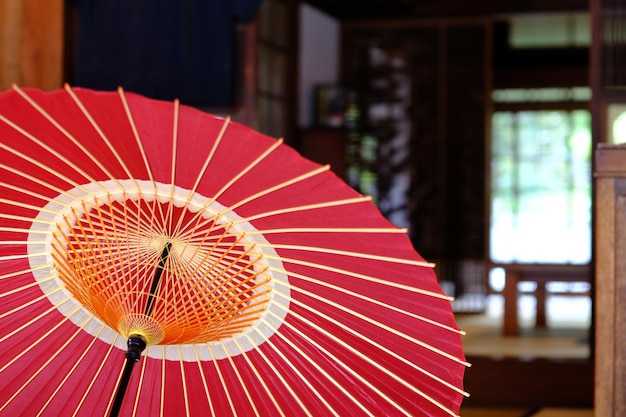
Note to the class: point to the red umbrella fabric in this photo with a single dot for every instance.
(259, 282)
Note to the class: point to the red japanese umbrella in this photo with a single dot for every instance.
(235, 276)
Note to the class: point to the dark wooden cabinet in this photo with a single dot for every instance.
(325, 146)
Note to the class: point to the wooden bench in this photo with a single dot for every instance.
(540, 274)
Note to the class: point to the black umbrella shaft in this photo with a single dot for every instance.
(136, 345)
(157, 278)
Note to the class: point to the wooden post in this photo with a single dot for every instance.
(610, 282)
(31, 43)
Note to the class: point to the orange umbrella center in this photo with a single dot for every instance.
(168, 273)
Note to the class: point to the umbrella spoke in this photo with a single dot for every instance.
(276, 187)
(139, 387)
(223, 382)
(261, 380)
(382, 348)
(372, 301)
(184, 382)
(204, 380)
(138, 141)
(336, 384)
(52, 357)
(30, 347)
(363, 255)
(95, 376)
(361, 378)
(229, 184)
(176, 230)
(71, 371)
(107, 142)
(341, 363)
(301, 377)
(34, 161)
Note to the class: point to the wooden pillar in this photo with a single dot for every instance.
(31, 43)
(610, 283)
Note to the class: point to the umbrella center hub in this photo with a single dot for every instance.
(171, 266)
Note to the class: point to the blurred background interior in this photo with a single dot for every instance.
(472, 124)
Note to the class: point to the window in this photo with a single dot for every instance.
(541, 186)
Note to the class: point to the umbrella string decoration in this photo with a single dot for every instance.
(242, 278)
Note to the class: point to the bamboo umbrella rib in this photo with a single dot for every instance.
(95, 377)
(139, 385)
(202, 171)
(43, 183)
(184, 381)
(97, 128)
(295, 209)
(278, 374)
(390, 259)
(353, 254)
(326, 230)
(20, 256)
(113, 392)
(378, 324)
(170, 209)
(57, 125)
(264, 384)
(27, 206)
(382, 348)
(319, 369)
(71, 371)
(112, 240)
(26, 219)
(45, 147)
(23, 230)
(133, 127)
(52, 356)
(204, 381)
(272, 189)
(222, 382)
(26, 287)
(26, 304)
(24, 191)
(364, 357)
(40, 340)
(279, 186)
(366, 299)
(364, 277)
(234, 179)
(294, 369)
(246, 169)
(339, 362)
(390, 352)
(162, 397)
(242, 384)
(24, 271)
(207, 161)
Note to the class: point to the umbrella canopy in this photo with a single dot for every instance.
(239, 277)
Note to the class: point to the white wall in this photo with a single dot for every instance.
(319, 57)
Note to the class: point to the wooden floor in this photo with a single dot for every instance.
(542, 372)
(522, 412)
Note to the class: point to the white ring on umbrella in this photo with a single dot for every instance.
(42, 263)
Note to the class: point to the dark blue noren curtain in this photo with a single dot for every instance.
(163, 49)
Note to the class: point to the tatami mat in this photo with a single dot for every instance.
(563, 412)
(521, 412)
(494, 412)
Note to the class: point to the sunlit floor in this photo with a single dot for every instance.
(545, 412)
(565, 337)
